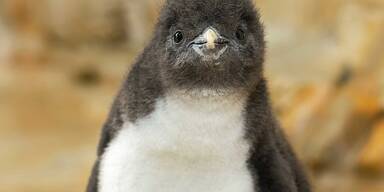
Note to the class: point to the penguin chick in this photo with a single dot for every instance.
(194, 114)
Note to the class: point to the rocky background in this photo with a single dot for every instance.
(61, 62)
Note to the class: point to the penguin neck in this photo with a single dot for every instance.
(205, 100)
(194, 127)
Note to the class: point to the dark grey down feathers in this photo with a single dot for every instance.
(168, 63)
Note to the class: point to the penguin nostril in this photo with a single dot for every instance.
(221, 40)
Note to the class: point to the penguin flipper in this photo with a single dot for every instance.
(112, 125)
(93, 179)
(277, 166)
(273, 171)
(103, 143)
(301, 179)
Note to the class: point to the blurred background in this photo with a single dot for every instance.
(62, 61)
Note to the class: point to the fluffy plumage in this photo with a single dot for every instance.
(184, 145)
(198, 101)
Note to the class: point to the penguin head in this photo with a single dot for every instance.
(210, 44)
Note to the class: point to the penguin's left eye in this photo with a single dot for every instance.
(240, 34)
(178, 37)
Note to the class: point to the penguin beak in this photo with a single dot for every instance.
(210, 44)
(210, 35)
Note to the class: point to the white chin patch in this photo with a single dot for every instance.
(212, 56)
(209, 93)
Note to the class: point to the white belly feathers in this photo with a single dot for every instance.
(185, 145)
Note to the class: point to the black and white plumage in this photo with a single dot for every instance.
(193, 114)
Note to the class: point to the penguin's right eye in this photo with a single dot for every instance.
(178, 37)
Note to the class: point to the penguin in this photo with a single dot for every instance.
(194, 114)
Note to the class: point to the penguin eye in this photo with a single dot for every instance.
(178, 37)
(240, 34)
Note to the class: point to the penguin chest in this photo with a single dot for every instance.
(178, 149)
